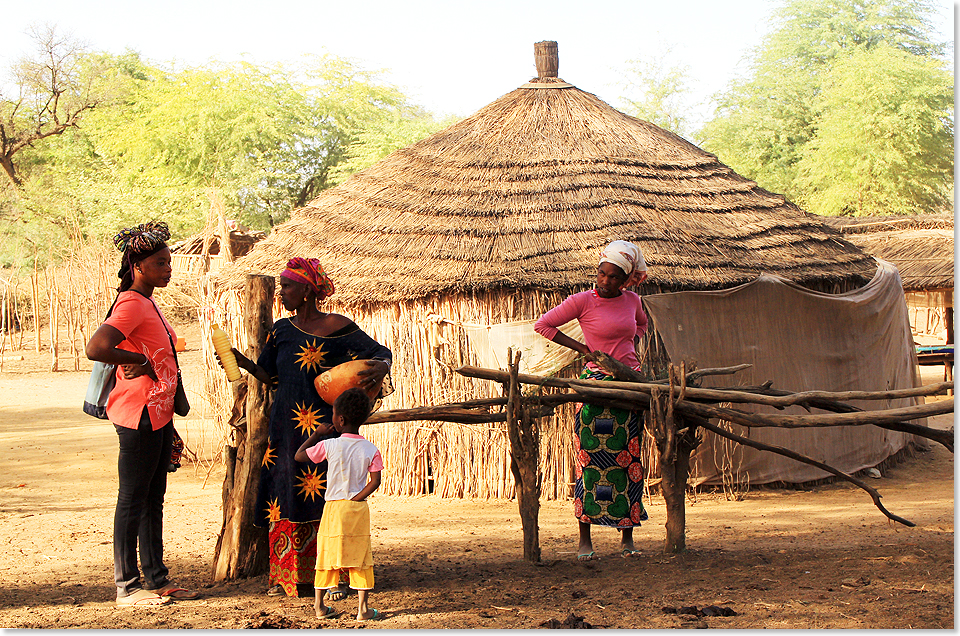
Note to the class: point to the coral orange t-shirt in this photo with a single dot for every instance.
(139, 319)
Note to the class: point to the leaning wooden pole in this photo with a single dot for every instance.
(806, 460)
(242, 548)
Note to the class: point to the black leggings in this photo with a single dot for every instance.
(144, 457)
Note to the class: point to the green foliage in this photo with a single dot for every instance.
(884, 142)
(53, 90)
(380, 137)
(262, 139)
(787, 125)
(658, 92)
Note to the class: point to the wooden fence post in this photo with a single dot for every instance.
(524, 433)
(242, 548)
(35, 297)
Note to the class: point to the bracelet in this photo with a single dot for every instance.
(145, 362)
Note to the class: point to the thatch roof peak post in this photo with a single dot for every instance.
(546, 58)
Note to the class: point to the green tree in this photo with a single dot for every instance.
(765, 121)
(658, 92)
(884, 142)
(54, 89)
(264, 137)
(383, 135)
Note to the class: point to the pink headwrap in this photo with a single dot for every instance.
(309, 272)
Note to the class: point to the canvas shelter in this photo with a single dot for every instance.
(496, 219)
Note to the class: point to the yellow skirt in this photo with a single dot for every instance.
(343, 540)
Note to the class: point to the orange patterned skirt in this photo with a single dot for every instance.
(293, 554)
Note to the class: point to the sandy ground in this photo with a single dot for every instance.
(822, 557)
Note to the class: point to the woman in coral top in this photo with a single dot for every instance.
(138, 339)
(609, 486)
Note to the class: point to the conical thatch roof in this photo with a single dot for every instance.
(525, 192)
(920, 246)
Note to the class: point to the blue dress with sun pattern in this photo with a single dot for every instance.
(292, 490)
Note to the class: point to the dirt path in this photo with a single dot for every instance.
(818, 558)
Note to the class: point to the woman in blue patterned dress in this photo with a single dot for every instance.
(299, 348)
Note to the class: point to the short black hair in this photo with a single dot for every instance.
(353, 405)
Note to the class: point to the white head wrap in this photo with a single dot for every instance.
(626, 256)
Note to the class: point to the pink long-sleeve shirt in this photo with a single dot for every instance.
(608, 324)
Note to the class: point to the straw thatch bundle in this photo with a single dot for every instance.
(498, 218)
(241, 241)
(523, 194)
(920, 246)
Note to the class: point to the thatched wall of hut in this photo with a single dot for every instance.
(497, 219)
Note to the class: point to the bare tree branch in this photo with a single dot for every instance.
(55, 89)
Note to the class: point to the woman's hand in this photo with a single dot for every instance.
(242, 361)
(373, 375)
(132, 371)
(247, 365)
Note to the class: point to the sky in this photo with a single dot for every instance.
(451, 56)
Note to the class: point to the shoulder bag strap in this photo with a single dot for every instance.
(173, 346)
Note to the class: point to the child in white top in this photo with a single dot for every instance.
(343, 540)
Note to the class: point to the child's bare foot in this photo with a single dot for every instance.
(339, 593)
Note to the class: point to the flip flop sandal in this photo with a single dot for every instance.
(177, 593)
(336, 594)
(626, 554)
(589, 556)
(331, 612)
(142, 598)
(377, 616)
(276, 590)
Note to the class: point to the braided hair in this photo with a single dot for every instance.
(138, 243)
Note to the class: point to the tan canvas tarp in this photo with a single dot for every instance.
(802, 340)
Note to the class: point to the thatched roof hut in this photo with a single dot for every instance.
(523, 194)
(920, 246)
(242, 240)
(499, 217)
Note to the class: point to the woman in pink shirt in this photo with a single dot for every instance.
(609, 486)
(139, 340)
